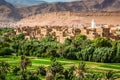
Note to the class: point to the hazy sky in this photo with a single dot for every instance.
(58, 0)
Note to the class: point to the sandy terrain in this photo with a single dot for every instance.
(67, 19)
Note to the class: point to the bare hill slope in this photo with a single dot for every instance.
(8, 11)
(75, 6)
(71, 18)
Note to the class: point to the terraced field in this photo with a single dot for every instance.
(92, 66)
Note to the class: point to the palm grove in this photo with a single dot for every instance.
(80, 48)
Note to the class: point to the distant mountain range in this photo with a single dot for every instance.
(10, 11)
(3, 2)
(24, 3)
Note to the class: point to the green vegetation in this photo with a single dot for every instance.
(47, 58)
(44, 66)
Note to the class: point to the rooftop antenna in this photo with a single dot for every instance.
(93, 25)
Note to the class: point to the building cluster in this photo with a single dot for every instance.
(63, 32)
(8, 25)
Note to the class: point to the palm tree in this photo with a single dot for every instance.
(28, 75)
(49, 75)
(110, 75)
(41, 70)
(56, 67)
(15, 70)
(59, 77)
(71, 70)
(92, 77)
(4, 68)
(24, 62)
(80, 71)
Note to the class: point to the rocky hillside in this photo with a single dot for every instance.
(76, 6)
(24, 3)
(8, 11)
(71, 18)
(109, 5)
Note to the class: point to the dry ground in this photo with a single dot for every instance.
(65, 19)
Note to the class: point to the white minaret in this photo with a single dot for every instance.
(93, 25)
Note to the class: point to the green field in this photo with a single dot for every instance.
(92, 66)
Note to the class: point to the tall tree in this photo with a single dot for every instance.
(24, 62)
(4, 68)
(80, 71)
(102, 42)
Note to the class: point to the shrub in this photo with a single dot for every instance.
(41, 70)
(103, 55)
(16, 70)
(5, 51)
(56, 67)
(59, 77)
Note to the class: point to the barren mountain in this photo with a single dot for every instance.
(71, 18)
(75, 6)
(7, 11)
(24, 3)
(109, 5)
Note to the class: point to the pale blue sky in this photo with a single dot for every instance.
(34, 2)
(57, 0)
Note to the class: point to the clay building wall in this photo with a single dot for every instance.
(63, 32)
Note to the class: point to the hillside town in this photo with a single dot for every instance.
(92, 31)
(59, 39)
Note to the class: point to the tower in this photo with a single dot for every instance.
(93, 25)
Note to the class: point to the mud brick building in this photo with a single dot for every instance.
(63, 32)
